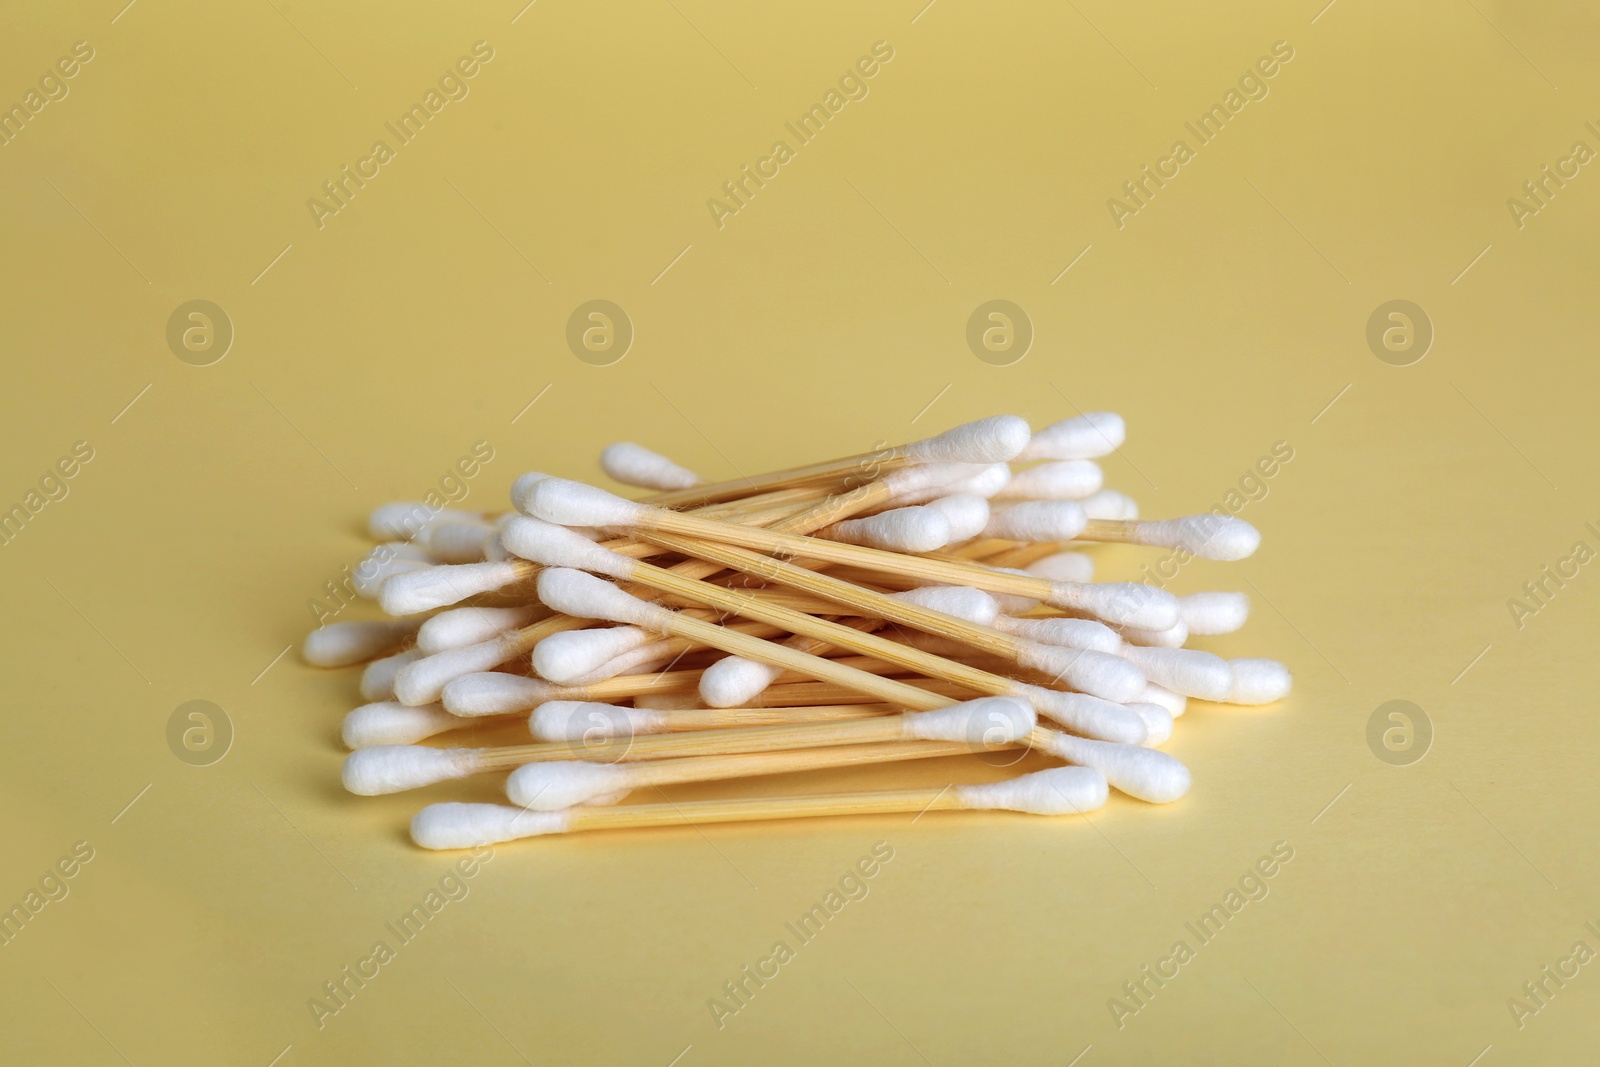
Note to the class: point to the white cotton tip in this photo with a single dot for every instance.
(342, 644)
(927, 480)
(584, 596)
(733, 681)
(1175, 703)
(1096, 673)
(1058, 791)
(406, 519)
(494, 551)
(582, 720)
(383, 563)
(389, 723)
(520, 487)
(1157, 723)
(558, 546)
(993, 440)
(378, 680)
(1184, 670)
(470, 825)
(1171, 637)
(566, 784)
(1222, 537)
(1103, 720)
(392, 569)
(493, 693)
(967, 514)
(1090, 436)
(423, 681)
(371, 772)
(574, 653)
(572, 503)
(920, 483)
(984, 482)
(1068, 633)
(987, 721)
(912, 529)
(645, 659)
(1068, 479)
(1123, 603)
(1214, 613)
(1037, 520)
(458, 542)
(1140, 772)
(1110, 504)
(633, 464)
(468, 626)
(964, 602)
(1063, 567)
(1258, 681)
(446, 584)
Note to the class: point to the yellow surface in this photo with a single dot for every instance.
(827, 314)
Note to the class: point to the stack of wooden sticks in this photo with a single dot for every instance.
(928, 600)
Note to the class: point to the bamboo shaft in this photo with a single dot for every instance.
(1118, 531)
(830, 470)
(818, 647)
(839, 506)
(830, 509)
(693, 719)
(624, 686)
(797, 693)
(704, 743)
(866, 601)
(778, 655)
(1021, 555)
(715, 768)
(532, 635)
(628, 685)
(950, 571)
(834, 633)
(760, 809)
(979, 549)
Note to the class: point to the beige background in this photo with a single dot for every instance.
(1227, 315)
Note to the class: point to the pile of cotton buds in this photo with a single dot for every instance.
(927, 600)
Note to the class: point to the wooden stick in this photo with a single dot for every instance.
(689, 720)
(784, 598)
(627, 685)
(1058, 791)
(830, 471)
(788, 692)
(834, 633)
(884, 689)
(925, 568)
(1022, 555)
(864, 601)
(829, 510)
(975, 550)
(704, 743)
(509, 646)
(756, 809)
(714, 768)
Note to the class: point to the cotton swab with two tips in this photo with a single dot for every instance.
(1058, 791)
(380, 769)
